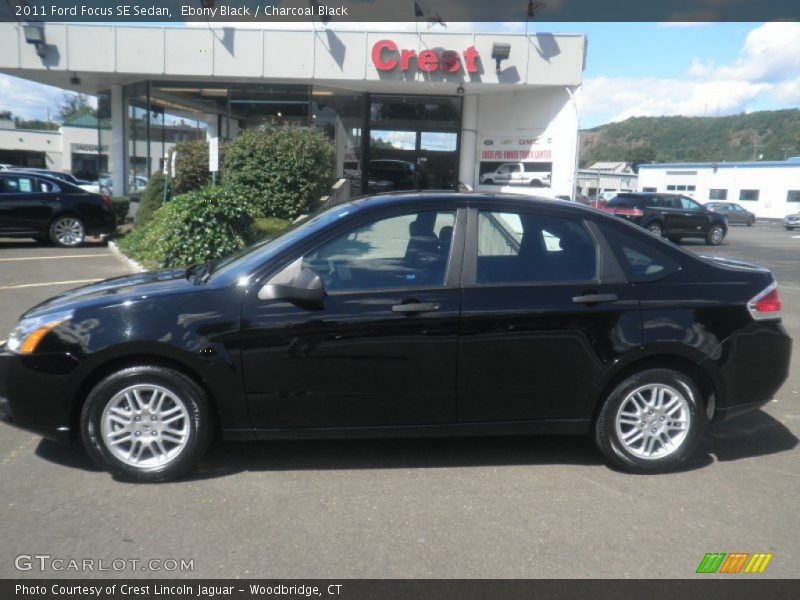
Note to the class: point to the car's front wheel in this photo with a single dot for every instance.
(656, 229)
(67, 231)
(146, 423)
(651, 421)
(715, 235)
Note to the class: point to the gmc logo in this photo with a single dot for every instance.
(386, 57)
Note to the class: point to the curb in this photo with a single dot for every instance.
(129, 262)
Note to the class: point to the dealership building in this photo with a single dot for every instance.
(770, 189)
(405, 110)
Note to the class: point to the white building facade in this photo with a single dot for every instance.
(768, 189)
(404, 110)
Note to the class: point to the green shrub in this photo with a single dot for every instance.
(267, 227)
(191, 167)
(202, 225)
(120, 205)
(151, 200)
(284, 170)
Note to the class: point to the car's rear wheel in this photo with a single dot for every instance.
(489, 182)
(146, 423)
(67, 231)
(651, 421)
(656, 229)
(715, 235)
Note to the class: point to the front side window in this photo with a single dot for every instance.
(689, 204)
(528, 248)
(748, 195)
(409, 250)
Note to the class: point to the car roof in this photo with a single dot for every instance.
(471, 198)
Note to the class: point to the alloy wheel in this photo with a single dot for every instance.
(145, 426)
(68, 231)
(653, 421)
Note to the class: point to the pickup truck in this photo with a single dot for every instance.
(518, 173)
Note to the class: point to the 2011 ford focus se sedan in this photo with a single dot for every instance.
(406, 315)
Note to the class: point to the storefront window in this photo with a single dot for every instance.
(340, 114)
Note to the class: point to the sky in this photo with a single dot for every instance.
(633, 69)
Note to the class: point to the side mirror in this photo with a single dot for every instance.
(304, 288)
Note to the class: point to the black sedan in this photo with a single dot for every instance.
(671, 216)
(735, 213)
(47, 209)
(406, 315)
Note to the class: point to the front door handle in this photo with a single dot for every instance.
(415, 307)
(595, 298)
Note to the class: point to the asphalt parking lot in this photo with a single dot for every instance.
(499, 507)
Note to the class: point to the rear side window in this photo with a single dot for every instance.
(529, 248)
(640, 259)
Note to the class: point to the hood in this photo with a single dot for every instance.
(116, 290)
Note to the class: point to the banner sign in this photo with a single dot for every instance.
(518, 158)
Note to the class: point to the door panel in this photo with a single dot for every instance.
(530, 352)
(538, 323)
(381, 348)
(356, 362)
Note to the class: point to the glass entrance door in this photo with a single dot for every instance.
(413, 143)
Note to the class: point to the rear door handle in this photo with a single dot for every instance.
(415, 307)
(594, 298)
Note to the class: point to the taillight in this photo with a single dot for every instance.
(106, 201)
(627, 212)
(767, 305)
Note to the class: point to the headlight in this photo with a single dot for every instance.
(29, 332)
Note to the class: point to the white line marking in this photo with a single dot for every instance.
(54, 257)
(30, 285)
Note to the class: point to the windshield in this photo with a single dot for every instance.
(248, 259)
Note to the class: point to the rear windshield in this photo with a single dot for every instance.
(629, 201)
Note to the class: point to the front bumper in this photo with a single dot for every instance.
(32, 393)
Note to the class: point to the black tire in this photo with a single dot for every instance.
(615, 451)
(789, 228)
(715, 235)
(675, 240)
(750, 222)
(489, 182)
(75, 224)
(198, 423)
(656, 229)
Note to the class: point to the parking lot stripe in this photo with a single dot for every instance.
(55, 257)
(30, 285)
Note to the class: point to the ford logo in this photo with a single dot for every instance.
(488, 142)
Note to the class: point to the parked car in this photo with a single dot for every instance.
(669, 215)
(48, 209)
(791, 221)
(81, 183)
(409, 314)
(735, 213)
(517, 174)
(389, 174)
(136, 184)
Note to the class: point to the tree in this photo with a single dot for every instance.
(74, 105)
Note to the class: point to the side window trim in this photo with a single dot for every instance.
(454, 267)
(470, 260)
